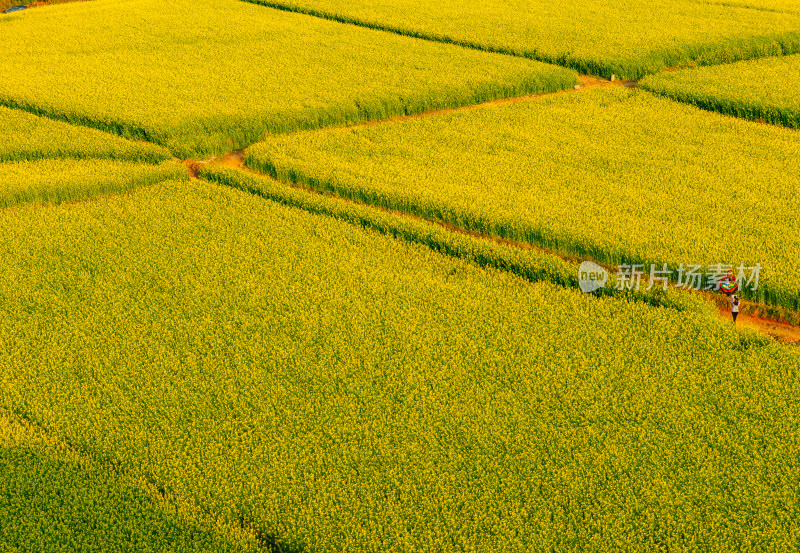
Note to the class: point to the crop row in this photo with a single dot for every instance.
(619, 176)
(57, 181)
(221, 78)
(530, 264)
(764, 89)
(26, 137)
(337, 389)
(593, 36)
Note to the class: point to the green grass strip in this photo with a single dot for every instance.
(57, 181)
(530, 264)
(27, 137)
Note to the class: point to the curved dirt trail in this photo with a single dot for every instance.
(235, 160)
(780, 331)
(587, 82)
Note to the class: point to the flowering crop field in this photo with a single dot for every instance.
(601, 37)
(372, 338)
(330, 388)
(617, 175)
(57, 181)
(26, 137)
(45, 161)
(205, 77)
(52, 499)
(766, 89)
(530, 264)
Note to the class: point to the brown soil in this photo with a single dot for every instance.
(192, 166)
(780, 331)
(234, 160)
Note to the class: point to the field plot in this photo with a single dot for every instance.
(54, 500)
(767, 89)
(614, 174)
(600, 37)
(531, 264)
(45, 161)
(57, 181)
(206, 77)
(26, 137)
(335, 389)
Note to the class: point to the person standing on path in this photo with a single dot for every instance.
(735, 308)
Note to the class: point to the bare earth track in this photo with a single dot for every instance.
(779, 324)
(752, 315)
(775, 323)
(778, 330)
(586, 82)
(235, 159)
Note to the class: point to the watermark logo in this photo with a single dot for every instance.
(591, 277)
(717, 277)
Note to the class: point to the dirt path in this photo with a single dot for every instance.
(586, 82)
(751, 316)
(235, 160)
(780, 331)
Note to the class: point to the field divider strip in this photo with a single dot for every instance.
(587, 82)
(432, 37)
(745, 110)
(120, 129)
(579, 64)
(743, 6)
(169, 170)
(525, 260)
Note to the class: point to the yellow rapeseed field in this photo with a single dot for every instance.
(765, 90)
(205, 77)
(335, 389)
(313, 359)
(601, 37)
(621, 176)
(46, 161)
